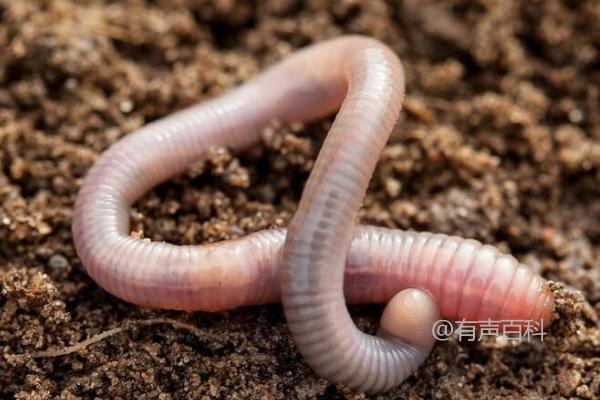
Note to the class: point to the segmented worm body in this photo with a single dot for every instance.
(324, 260)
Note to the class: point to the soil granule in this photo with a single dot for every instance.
(499, 141)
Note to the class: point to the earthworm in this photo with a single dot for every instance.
(324, 258)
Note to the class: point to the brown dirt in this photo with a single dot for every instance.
(500, 141)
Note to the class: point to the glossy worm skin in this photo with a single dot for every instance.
(421, 273)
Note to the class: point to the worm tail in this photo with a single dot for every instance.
(468, 280)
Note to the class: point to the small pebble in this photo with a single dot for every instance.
(126, 106)
(58, 261)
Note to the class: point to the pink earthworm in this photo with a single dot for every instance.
(324, 259)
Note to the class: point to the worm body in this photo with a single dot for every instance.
(460, 278)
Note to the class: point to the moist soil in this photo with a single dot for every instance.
(499, 141)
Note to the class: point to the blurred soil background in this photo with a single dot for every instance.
(499, 141)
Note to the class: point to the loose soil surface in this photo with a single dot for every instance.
(499, 141)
